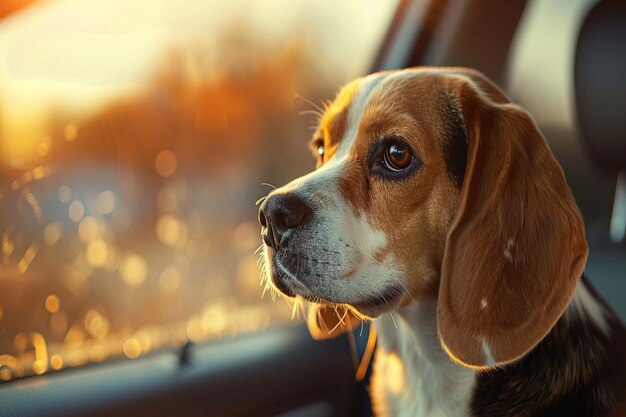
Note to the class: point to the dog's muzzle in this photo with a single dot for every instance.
(281, 216)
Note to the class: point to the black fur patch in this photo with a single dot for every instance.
(573, 371)
(455, 142)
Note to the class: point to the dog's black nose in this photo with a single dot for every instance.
(279, 215)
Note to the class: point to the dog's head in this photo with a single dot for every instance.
(431, 185)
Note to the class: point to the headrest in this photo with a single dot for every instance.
(600, 83)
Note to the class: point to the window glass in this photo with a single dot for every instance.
(135, 138)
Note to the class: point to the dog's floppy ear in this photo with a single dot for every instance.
(516, 247)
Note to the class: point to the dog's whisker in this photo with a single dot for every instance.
(311, 113)
(300, 302)
(345, 313)
(389, 308)
(292, 304)
(393, 319)
(260, 200)
(297, 308)
(311, 103)
(322, 322)
(419, 308)
(366, 254)
(359, 315)
(399, 281)
(273, 187)
(340, 322)
(334, 306)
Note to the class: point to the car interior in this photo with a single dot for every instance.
(562, 60)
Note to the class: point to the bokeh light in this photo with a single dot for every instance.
(132, 348)
(165, 163)
(76, 210)
(52, 303)
(105, 202)
(171, 231)
(52, 233)
(88, 228)
(97, 252)
(70, 132)
(128, 185)
(134, 270)
(65, 194)
(56, 362)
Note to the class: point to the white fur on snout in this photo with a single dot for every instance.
(343, 247)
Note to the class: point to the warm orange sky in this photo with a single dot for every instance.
(11, 6)
(76, 54)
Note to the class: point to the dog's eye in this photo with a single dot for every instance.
(320, 150)
(391, 158)
(397, 157)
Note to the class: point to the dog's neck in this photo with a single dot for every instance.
(413, 376)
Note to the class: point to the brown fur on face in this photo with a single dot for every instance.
(500, 249)
(414, 213)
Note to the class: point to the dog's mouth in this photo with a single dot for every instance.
(288, 284)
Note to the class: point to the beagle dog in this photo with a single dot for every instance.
(438, 210)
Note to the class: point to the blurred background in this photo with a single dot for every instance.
(134, 139)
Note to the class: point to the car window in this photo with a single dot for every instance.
(134, 140)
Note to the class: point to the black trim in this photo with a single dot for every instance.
(455, 143)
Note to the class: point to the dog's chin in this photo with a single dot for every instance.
(364, 309)
(371, 311)
(282, 285)
(285, 281)
(376, 305)
(368, 307)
